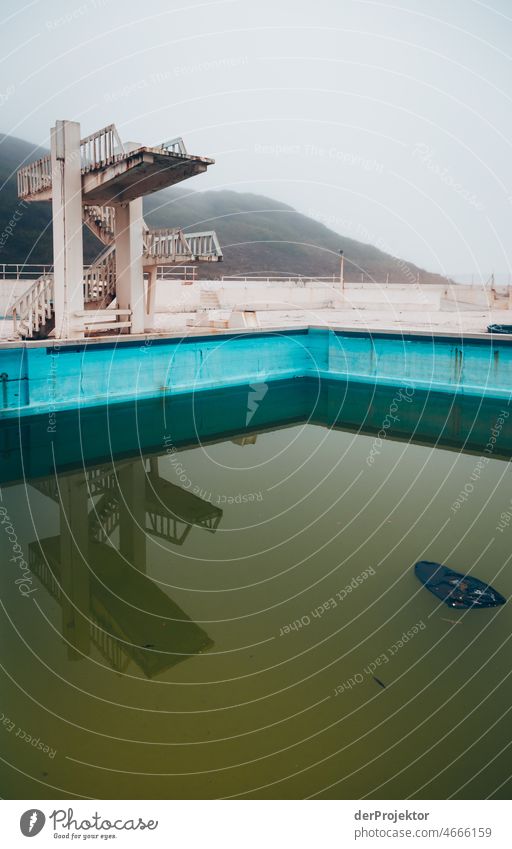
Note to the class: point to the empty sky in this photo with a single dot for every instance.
(389, 120)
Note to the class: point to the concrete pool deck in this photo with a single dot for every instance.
(455, 322)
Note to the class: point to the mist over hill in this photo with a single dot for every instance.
(258, 235)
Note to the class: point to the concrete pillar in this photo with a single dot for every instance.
(129, 274)
(132, 513)
(68, 257)
(74, 556)
(150, 298)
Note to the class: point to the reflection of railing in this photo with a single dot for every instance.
(34, 308)
(39, 566)
(100, 148)
(108, 646)
(35, 177)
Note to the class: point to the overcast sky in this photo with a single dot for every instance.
(389, 120)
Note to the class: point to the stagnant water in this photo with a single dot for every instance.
(218, 598)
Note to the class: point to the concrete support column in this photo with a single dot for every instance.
(68, 257)
(129, 274)
(74, 555)
(150, 298)
(132, 514)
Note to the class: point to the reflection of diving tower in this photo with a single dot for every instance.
(101, 182)
(107, 599)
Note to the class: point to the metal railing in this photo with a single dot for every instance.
(183, 273)
(100, 148)
(23, 270)
(35, 177)
(34, 308)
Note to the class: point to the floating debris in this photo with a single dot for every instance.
(379, 682)
(455, 589)
(450, 621)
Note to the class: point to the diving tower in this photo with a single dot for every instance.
(100, 182)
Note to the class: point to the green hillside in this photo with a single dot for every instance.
(258, 235)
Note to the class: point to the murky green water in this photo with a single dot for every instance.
(209, 620)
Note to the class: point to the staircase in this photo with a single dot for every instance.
(209, 300)
(32, 313)
(109, 170)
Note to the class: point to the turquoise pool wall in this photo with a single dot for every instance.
(44, 378)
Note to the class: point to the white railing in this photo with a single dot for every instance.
(100, 148)
(176, 145)
(165, 243)
(334, 279)
(100, 277)
(35, 177)
(173, 244)
(101, 220)
(204, 245)
(23, 270)
(185, 273)
(33, 309)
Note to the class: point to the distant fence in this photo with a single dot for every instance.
(31, 271)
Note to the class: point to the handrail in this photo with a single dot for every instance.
(165, 243)
(170, 243)
(204, 244)
(100, 148)
(101, 221)
(100, 277)
(35, 177)
(35, 306)
(176, 145)
(23, 270)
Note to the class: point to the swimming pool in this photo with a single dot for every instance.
(36, 377)
(211, 594)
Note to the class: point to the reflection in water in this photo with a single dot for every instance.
(310, 660)
(104, 592)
